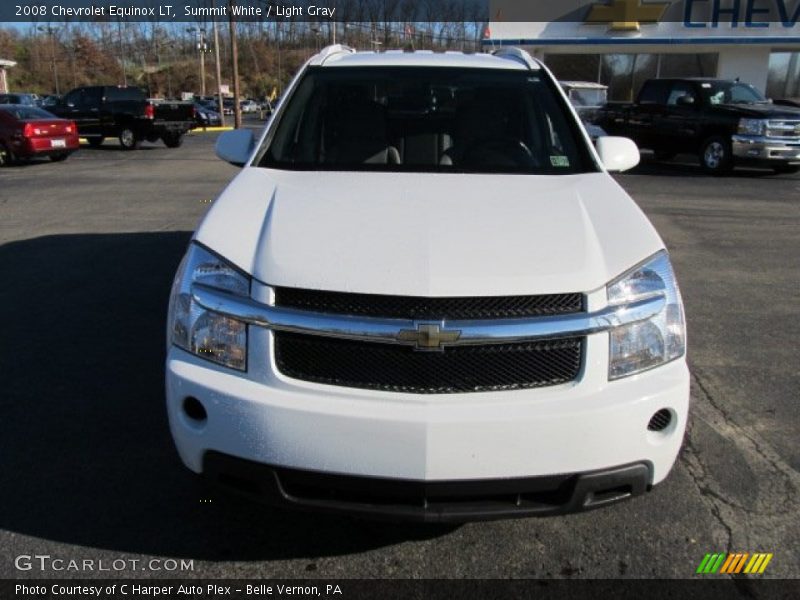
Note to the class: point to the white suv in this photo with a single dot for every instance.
(425, 298)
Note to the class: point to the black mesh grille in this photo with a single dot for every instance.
(402, 369)
(413, 307)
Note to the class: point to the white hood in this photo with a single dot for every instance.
(429, 234)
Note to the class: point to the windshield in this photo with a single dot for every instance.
(426, 119)
(726, 92)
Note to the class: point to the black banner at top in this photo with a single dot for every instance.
(744, 14)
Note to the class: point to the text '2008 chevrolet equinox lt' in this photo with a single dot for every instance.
(425, 298)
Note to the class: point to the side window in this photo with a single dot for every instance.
(679, 90)
(93, 97)
(74, 98)
(654, 92)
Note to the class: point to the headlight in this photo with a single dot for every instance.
(203, 332)
(752, 127)
(662, 338)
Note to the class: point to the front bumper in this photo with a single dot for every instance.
(590, 425)
(424, 501)
(765, 151)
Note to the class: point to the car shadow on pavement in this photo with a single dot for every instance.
(87, 458)
(683, 167)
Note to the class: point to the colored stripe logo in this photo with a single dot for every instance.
(734, 564)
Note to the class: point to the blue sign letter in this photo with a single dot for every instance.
(687, 14)
(751, 10)
(733, 11)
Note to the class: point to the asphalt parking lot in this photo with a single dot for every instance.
(88, 249)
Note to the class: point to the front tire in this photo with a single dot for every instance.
(172, 140)
(128, 139)
(716, 155)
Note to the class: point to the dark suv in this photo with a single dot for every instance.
(125, 113)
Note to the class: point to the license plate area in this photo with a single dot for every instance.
(58, 143)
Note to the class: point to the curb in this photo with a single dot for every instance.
(210, 129)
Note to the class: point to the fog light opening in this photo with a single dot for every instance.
(660, 421)
(194, 410)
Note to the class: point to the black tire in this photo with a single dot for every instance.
(96, 142)
(787, 169)
(7, 157)
(172, 140)
(59, 157)
(128, 139)
(716, 155)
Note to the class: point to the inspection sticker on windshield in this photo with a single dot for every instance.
(559, 161)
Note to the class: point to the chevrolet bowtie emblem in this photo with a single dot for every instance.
(428, 336)
(625, 15)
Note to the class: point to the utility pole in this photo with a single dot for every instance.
(122, 55)
(202, 47)
(51, 32)
(218, 68)
(237, 109)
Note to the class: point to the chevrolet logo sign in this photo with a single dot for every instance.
(428, 336)
(626, 15)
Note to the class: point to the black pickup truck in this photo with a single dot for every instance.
(125, 113)
(725, 123)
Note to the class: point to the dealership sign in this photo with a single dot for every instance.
(631, 21)
(627, 15)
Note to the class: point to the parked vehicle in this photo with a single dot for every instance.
(29, 132)
(248, 106)
(424, 297)
(227, 106)
(125, 113)
(22, 99)
(265, 109)
(48, 102)
(587, 98)
(725, 123)
(206, 117)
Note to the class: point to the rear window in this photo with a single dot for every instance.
(122, 94)
(654, 92)
(27, 113)
(426, 119)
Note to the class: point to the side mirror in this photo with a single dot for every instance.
(686, 101)
(618, 153)
(235, 146)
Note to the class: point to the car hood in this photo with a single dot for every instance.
(760, 111)
(428, 234)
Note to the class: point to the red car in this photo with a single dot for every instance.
(27, 132)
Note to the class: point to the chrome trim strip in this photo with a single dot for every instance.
(394, 331)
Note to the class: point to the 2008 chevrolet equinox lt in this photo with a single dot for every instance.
(425, 298)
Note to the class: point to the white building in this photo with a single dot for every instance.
(4, 66)
(623, 42)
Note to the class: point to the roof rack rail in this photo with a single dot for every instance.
(331, 51)
(519, 55)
